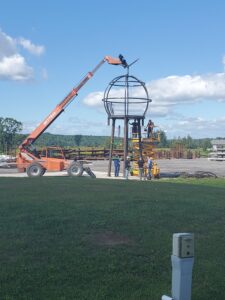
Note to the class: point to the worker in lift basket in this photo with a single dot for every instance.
(150, 127)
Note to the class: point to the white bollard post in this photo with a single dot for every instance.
(164, 297)
(182, 259)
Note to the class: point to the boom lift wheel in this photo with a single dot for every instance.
(35, 170)
(75, 169)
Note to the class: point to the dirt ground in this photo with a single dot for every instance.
(168, 168)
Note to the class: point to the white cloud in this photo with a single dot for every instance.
(94, 99)
(29, 46)
(73, 126)
(194, 126)
(174, 90)
(7, 45)
(77, 125)
(29, 126)
(13, 65)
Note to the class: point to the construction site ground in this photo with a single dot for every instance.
(168, 168)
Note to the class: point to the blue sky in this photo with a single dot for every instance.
(47, 46)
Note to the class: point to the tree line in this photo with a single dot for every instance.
(187, 142)
(9, 129)
(11, 138)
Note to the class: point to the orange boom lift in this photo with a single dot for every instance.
(52, 158)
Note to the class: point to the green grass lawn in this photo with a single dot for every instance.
(66, 238)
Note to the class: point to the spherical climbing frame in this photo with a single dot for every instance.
(126, 98)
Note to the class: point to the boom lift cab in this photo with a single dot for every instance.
(52, 158)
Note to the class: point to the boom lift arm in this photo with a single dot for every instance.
(64, 103)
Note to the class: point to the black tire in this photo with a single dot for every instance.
(35, 170)
(75, 169)
(89, 172)
(43, 172)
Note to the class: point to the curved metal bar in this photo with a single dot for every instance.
(113, 104)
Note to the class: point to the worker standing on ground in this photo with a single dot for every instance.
(116, 161)
(149, 166)
(141, 168)
(127, 167)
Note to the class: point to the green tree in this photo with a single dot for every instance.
(107, 142)
(206, 144)
(188, 142)
(163, 139)
(78, 139)
(9, 127)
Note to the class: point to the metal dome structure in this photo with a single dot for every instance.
(126, 98)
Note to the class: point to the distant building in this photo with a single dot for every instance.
(218, 150)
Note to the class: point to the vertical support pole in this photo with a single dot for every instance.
(139, 138)
(125, 146)
(111, 147)
(126, 120)
(119, 131)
